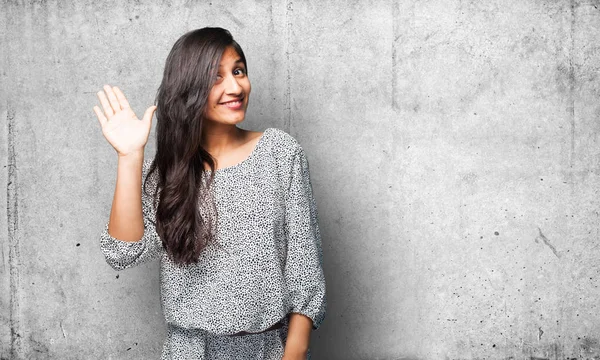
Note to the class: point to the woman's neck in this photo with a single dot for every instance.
(222, 138)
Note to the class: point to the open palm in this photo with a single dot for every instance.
(120, 126)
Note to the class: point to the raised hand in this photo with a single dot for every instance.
(120, 126)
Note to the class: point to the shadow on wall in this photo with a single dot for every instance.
(587, 348)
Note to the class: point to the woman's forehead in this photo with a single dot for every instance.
(230, 56)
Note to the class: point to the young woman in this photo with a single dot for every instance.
(229, 212)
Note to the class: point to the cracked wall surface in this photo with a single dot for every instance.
(454, 152)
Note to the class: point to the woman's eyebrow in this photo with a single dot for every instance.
(236, 62)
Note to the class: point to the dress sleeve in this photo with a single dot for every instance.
(305, 281)
(122, 254)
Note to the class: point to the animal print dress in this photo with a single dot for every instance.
(268, 262)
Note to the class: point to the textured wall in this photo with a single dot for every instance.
(454, 155)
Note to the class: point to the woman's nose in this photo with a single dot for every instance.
(232, 86)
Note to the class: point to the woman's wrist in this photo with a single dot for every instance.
(130, 162)
(132, 156)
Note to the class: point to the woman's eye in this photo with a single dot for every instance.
(238, 71)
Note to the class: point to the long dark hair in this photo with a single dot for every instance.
(186, 214)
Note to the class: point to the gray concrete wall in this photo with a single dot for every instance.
(454, 151)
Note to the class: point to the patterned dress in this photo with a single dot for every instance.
(268, 262)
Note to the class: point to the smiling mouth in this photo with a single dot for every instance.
(233, 103)
(238, 100)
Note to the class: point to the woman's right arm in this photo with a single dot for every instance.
(129, 237)
(137, 241)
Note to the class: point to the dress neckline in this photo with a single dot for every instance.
(246, 160)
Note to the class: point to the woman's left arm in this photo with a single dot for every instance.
(305, 280)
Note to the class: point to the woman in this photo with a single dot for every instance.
(229, 212)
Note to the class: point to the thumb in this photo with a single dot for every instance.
(148, 115)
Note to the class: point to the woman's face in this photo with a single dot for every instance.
(228, 98)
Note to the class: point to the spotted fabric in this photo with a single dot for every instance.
(199, 344)
(266, 265)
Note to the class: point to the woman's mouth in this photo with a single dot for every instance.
(233, 104)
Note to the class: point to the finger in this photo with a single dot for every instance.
(121, 97)
(112, 98)
(108, 110)
(101, 118)
(148, 114)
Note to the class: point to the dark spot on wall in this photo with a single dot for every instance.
(117, 276)
(77, 244)
(496, 233)
(589, 345)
